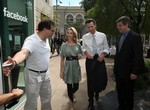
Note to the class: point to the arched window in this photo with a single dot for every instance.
(69, 18)
(79, 18)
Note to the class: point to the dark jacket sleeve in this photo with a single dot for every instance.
(138, 61)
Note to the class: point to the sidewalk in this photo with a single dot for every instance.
(60, 99)
(108, 97)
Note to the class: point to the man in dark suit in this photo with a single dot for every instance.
(128, 63)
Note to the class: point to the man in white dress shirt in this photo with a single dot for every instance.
(36, 52)
(95, 47)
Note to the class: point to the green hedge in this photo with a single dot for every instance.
(147, 66)
(143, 80)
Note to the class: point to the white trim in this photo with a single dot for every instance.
(69, 14)
(79, 14)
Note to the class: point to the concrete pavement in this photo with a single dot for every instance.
(60, 99)
(108, 97)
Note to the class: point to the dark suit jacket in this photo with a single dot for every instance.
(130, 57)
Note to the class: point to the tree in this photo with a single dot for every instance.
(138, 11)
(87, 4)
(106, 12)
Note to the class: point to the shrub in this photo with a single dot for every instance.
(147, 67)
(143, 80)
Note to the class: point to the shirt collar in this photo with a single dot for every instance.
(126, 33)
(37, 36)
(93, 34)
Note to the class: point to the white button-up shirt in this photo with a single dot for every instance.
(101, 41)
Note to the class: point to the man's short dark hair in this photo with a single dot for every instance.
(124, 19)
(90, 20)
(45, 24)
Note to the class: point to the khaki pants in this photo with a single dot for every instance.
(37, 85)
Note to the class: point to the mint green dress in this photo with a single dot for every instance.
(72, 69)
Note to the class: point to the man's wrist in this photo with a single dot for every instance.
(12, 94)
(104, 53)
(85, 52)
(15, 63)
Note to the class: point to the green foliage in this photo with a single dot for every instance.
(87, 4)
(147, 67)
(106, 12)
(143, 80)
(138, 11)
(105, 15)
(56, 18)
(91, 12)
(146, 23)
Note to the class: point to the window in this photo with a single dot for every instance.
(69, 18)
(79, 18)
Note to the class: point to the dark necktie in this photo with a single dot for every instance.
(121, 41)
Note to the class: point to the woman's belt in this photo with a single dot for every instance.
(72, 58)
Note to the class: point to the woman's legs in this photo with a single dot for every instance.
(75, 87)
(72, 88)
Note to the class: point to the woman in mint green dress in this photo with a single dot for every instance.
(70, 70)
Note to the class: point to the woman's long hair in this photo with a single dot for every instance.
(75, 34)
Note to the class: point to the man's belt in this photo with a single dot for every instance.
(72, 58)
(38, 71)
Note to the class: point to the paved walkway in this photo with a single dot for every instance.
(108, 98)
(60, 99)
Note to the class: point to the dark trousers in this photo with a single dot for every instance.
(72, 88)
(125, 90)
(96, 77)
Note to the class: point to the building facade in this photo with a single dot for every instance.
(43, 10)
(67, 16)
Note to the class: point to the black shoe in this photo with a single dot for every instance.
(119, 108)
(96, 96)
(91, 107)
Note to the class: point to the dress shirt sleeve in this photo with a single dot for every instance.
(83, 44)
(106, 47)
